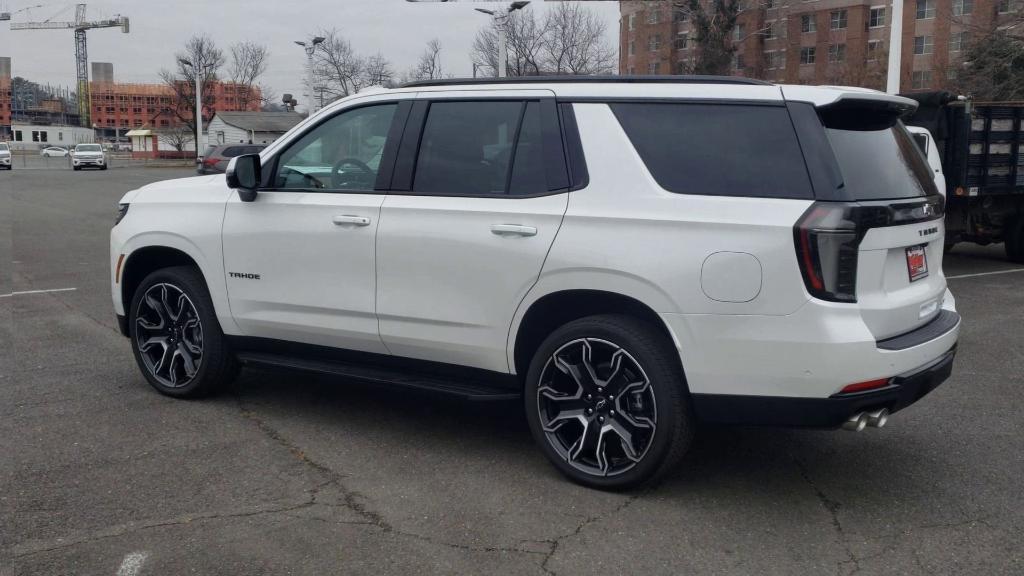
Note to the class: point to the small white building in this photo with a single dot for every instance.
(34, 137)
(249, 127)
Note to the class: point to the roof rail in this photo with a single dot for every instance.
(611, 79)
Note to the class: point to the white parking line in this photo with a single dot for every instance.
(985, 274)
(26, 292)
(132, 563)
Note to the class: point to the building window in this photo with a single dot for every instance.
(1004, 6)
(952, 74)
(925, 9)
(876, 19)
(17, 135)
(737, 33)
(921, 79)
(737, 62)
(836, 53)
(807, 54)
(632, 22)
(838, 19)
(807, 24)
(874, 49)
(775, 59)
(963, 7)
(631, 71)
(654, 42)
(632, 47)
(654, 16)
(680, 16)
(681, 41)
(60, 136)
(654, 67)
(957, 41)
(769, 4)
(924, 44)
(770, 31)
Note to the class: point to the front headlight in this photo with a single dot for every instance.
(122, 209)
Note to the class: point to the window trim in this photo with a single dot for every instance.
(554, 144)
(387, 161)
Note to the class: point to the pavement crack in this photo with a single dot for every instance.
(557, 542)
(832, 507)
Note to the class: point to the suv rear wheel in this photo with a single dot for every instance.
(607, 402)
(175, 335)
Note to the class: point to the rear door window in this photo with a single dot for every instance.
(485, 148)
(718, 149)
(881, 164)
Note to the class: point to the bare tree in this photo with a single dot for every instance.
(202, 58)
(337, 70)
(994, 67)
(712, 25)
(377, 71)
(428, 67)
(248, 63)
(526, 38)
(179, 137)
(575, 43)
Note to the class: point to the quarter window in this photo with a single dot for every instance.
(682, 144)
(472, 149)
(343, 153)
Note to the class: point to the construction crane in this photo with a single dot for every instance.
(80, 25)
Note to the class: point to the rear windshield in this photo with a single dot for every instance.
(881, 164)
(718, 149)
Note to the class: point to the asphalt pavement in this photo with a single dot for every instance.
(293, 474)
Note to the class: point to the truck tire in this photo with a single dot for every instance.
(1013, 241)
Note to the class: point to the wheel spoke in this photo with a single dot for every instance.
(186, 360)
(166, 358)
(638, 421)
(625, 438)
(562, 418)
(157, 306)
(587, 442)
(145, 324)
(151, 341)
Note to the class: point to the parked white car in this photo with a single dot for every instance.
(88, 155)
(54, 152)
(628, 258)
(5, 156)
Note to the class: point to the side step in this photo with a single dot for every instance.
(468, 388)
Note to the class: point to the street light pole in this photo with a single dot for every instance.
(310, 48)
(892, 84)
(500, 20)
(198, 73)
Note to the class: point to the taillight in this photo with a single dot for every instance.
(209, 161)
(827, 240)
(864, 386)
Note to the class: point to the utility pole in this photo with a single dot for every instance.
(892, 84)
(310, 48)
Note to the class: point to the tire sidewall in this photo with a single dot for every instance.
(664, 376)
(188, 281)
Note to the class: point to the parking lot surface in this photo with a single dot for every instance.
(293, 474)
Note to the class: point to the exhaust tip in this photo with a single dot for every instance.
(856, 423)
(878, 418)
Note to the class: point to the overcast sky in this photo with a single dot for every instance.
(395, 28)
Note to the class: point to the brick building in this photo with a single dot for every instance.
(124, 106)
(816, 41)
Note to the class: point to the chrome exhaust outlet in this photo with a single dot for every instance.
(857, 422)
(878, 418)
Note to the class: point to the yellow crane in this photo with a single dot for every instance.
(80, 25)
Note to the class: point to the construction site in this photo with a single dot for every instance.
(99, 105)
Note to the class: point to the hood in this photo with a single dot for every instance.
(176, 183)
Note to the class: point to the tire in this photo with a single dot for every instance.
(948, 247)
(76, 168)
(104, 167)
(1013, 241)
(649, 400)
(159, 316)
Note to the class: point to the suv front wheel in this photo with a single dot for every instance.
(175, 336)
(607, 402)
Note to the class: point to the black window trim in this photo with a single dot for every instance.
(387, 161)
(556, 172)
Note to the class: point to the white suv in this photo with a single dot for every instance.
(629, 257)
(88, 155)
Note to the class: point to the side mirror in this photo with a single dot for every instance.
(243, 174)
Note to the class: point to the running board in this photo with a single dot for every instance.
(473, 389)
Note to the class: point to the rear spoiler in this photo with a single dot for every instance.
(853, 108)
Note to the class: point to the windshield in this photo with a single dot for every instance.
(87, 148)
(3, 147)
(881, 164)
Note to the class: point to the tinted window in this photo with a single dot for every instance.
(232, 151)
(343, 153)
(716, 149)
(528, 166)
(467, 148)
(881, 164)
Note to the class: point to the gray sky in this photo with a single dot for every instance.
(395, 28)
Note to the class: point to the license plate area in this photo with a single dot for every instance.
(917, 263)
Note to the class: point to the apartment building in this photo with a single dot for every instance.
(816, 41)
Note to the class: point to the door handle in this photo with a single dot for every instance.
(349, 220)
(513, 230)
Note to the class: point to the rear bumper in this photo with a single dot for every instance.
(831, 412)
